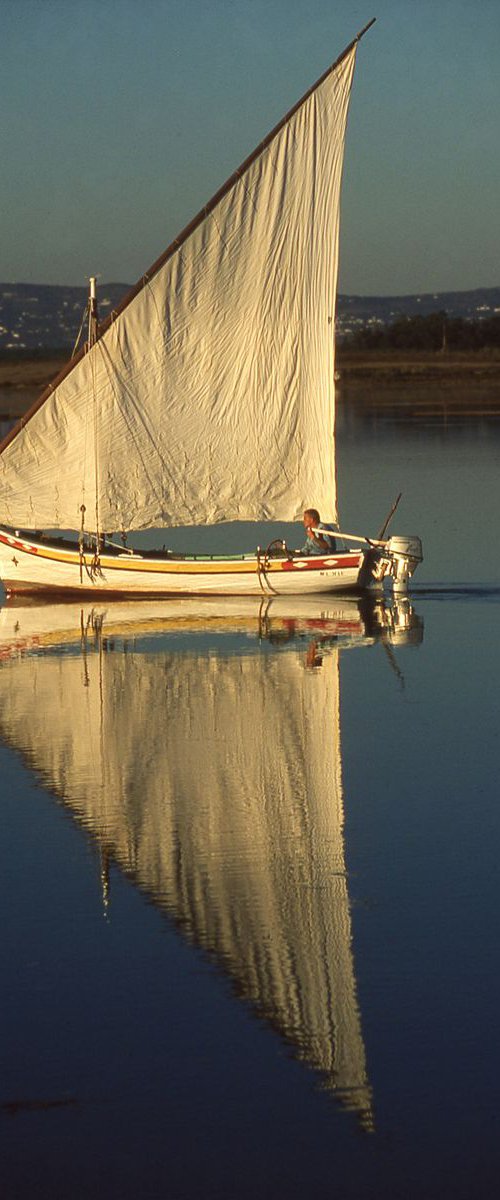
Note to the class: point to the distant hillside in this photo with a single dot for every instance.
(36, 318)
(356, 312)
(40, 317)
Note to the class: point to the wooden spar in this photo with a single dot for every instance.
(349, 537)
(180, 239)
(226, 187)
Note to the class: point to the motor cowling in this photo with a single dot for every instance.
(407, 547)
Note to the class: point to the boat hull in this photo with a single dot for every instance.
(29, 565)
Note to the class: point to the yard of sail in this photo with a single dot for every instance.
(214, 781)
(210, 397)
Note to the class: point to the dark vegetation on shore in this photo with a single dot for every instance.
(434, 333)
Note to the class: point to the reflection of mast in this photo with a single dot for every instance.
(217, 788)
(105, 879)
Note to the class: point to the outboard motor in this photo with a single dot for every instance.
(405, 554)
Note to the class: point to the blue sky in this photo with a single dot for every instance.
(120, 118)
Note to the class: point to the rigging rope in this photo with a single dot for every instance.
(79, 334)
(262, 568)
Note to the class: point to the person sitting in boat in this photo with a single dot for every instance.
(317, 543)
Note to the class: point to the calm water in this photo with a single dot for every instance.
(250, 875)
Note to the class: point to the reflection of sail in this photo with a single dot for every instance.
(214, 780)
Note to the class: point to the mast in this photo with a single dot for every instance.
(93, 334)
(93, 326)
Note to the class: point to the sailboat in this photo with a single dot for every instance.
(208, 396)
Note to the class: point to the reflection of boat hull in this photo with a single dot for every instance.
(28, 624)
(40, 565)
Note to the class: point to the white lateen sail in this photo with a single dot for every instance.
(210, 395)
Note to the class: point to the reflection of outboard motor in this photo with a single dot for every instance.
(405, 554)
(391, 620)
(404, 627)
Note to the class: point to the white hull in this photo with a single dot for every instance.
(32, 565)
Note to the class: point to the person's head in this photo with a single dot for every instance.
(311, 518)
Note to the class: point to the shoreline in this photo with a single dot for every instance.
(391, 369)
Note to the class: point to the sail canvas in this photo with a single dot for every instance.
(210, 396)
